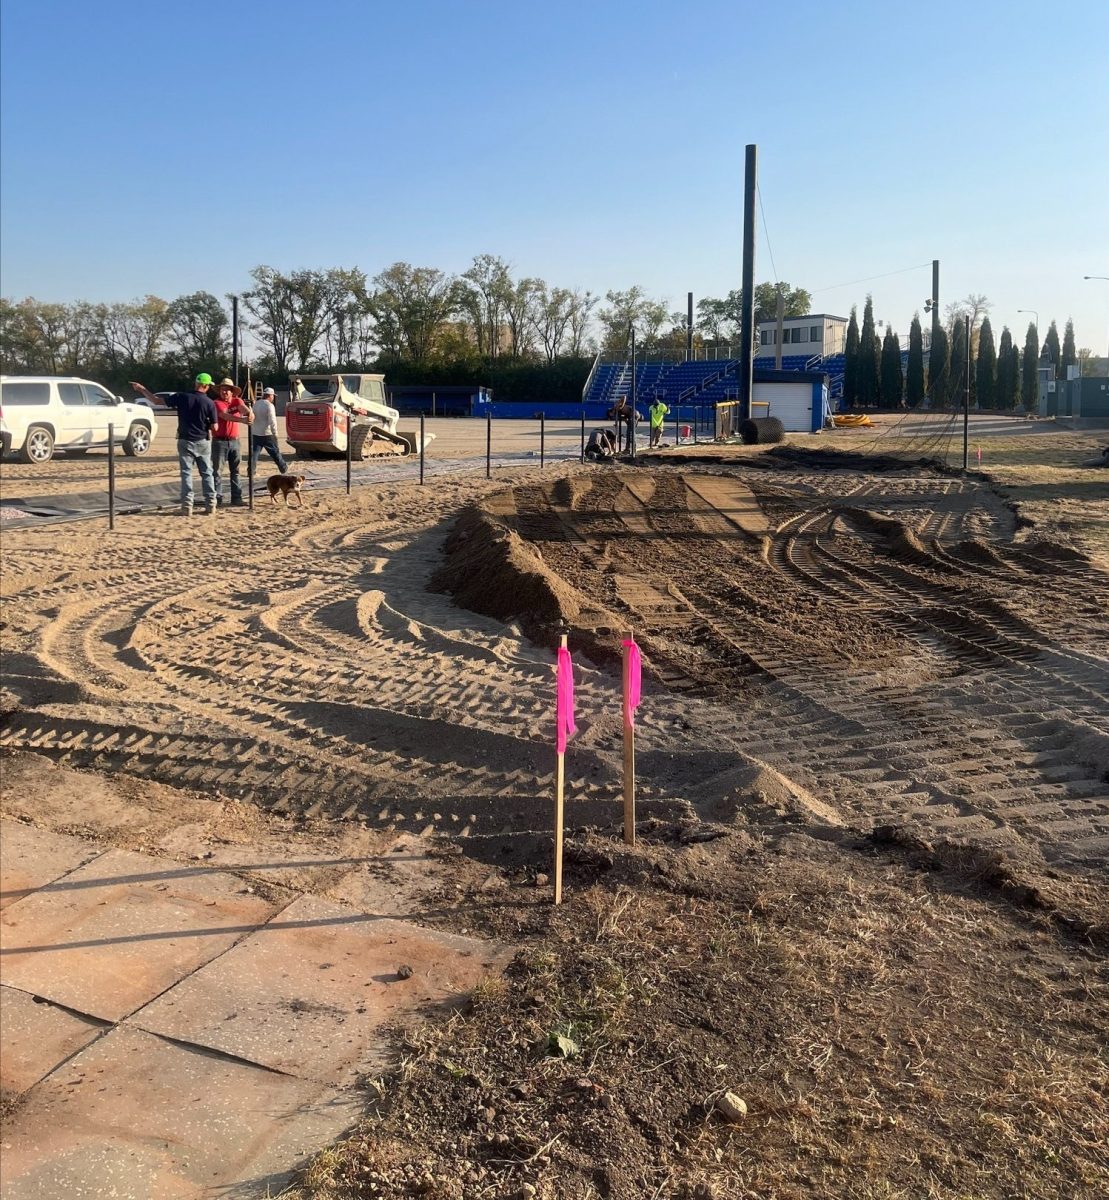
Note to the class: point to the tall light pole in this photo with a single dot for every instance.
(1034, 313)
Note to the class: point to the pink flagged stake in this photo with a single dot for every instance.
(634, 682)
(564, 707)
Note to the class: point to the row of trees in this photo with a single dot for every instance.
(1002, 376)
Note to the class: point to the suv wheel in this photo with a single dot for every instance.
(38, 446)
(137, 441)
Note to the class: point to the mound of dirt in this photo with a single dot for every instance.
(490, 569)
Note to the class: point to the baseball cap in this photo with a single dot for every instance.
(268, 392)
(204, 379)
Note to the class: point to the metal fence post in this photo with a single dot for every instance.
(111, 476)
(348, 454)
(542, 440)
(423, 441)
(489, 443)
(583, 434)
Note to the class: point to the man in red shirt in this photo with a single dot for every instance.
(231, 415)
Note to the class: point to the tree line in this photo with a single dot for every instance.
(1002, 375)
(418, 324)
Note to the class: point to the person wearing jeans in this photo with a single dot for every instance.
(263, 434)
(196, 418)
(231, 413)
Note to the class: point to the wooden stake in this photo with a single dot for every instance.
(560, 779)
(629, 761)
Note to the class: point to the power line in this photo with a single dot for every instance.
(766, 234)
(867, 279)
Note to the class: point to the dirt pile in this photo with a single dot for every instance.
(491, 569)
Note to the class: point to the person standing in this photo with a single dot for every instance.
(623, 412)
(263, 433)
(657, 412)
(232, 413)
(196, 418)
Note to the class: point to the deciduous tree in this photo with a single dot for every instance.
(411, 306)
(198, 330)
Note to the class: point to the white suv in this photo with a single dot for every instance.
(39, 413)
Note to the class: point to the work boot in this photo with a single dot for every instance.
(186, 510)
(210, 510)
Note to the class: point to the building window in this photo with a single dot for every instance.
(814, 333)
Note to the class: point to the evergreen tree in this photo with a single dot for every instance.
(851, 362)
(1069, 357)
(938, 366)
(869, 349)
(1006, 372)
(914, 378)
(1028, 367)
(890, 379)
(1051, 344)
(957, 373)
(985, 373)
(1014, 375)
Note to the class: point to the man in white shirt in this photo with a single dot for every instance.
(263, 433)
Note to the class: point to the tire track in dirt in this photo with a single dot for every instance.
(290, 667)
(961, 745)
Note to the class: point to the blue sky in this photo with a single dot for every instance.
(150, 149)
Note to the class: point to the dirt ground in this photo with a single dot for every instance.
(870, 888)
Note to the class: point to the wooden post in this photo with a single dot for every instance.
(629, 755)
(560, 781)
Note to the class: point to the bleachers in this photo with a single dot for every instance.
(695, 383)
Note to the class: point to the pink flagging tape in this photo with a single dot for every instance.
(635, 679)
(564, 707)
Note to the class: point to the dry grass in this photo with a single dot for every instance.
(891, 1035)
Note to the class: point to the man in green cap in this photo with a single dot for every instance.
(196, 418)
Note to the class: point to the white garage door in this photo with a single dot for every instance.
(791, 403)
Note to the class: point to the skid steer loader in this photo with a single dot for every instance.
(325, 410)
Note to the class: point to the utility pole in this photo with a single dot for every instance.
(781, 326)
(235, 339)
(689, 327)
(966, 402)
(933, 306)
(746, 369)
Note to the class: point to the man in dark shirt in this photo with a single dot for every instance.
(196, 418)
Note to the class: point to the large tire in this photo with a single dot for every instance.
(761, 431)
(138, 440)
(38, 446)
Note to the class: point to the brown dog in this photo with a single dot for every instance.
(287, 485)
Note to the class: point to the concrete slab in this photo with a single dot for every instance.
(35, 1038)
(309, 993)
(117, 932)
(393, 883)
(30, 858)
(135, 1116)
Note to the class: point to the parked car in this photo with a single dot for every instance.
(42, 413)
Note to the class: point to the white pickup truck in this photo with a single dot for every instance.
(43, 413)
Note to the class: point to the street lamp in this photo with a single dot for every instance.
(1034, 313)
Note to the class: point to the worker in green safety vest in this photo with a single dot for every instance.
(657, 412)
